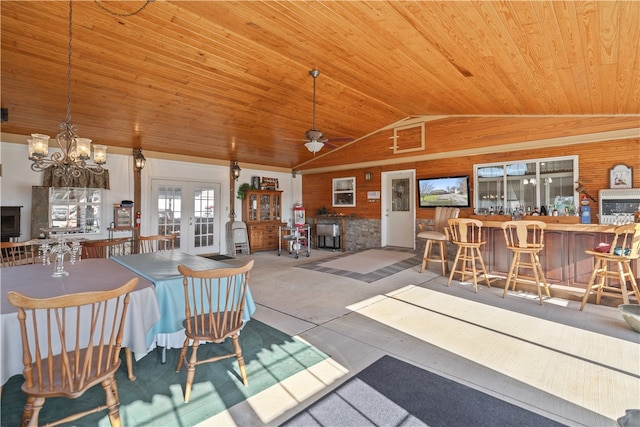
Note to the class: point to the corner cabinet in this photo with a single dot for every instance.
(262, 212)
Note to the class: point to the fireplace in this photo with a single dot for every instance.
(10, 225)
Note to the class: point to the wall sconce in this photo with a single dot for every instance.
(235, 169)
(367, 176)
(139, 159)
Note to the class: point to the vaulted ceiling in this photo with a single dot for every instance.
(230, 80)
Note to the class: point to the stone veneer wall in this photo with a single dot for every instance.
(367, 234)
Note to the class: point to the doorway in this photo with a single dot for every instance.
(398, 209)
(191, 210)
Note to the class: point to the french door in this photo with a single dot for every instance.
(191, 210)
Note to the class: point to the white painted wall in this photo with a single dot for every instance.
(18, 178)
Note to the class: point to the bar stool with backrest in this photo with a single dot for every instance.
(436, 236)
(466, 234)
(615, 264)
(525, 238)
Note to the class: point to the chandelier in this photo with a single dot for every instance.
(74, 152)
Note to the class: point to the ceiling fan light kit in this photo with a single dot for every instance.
(315, 138)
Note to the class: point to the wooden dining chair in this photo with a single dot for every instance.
(17, 253)
(615, 265)
(71, 343)
(436, 236)
(103, 248)
(156, 243)
(466, 234)
(214, 305)
(525, 238)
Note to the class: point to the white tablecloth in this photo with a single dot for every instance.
(86, 275)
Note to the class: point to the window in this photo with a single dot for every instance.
(344, 192)
(71, 207)
(526, 184)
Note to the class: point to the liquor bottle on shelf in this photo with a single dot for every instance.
(543, 210)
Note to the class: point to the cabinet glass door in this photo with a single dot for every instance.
(276, 207)
(265, 207)
(252, 207)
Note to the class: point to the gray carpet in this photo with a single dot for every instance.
(391, 392)
(369, 277)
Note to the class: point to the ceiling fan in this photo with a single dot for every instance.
(315, 139)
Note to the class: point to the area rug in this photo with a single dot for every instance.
(391, 392)
(155, 398)
(367, 266)
(219, 257)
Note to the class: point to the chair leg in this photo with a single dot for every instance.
(425, 257)
(604, 277)
(129, 358)
(542, 276)
(240, 357)
(474, 269)
(191, 370)
(183, 354)
(632, 279)
(455, 265)
(484, 269)
(443, 257)
(510, 274)
(590, 284)
(536, 274)
(111, 392)
(32, 411)
(623, 282)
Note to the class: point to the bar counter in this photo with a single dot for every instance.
(563, 259)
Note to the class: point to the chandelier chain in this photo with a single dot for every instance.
(68, 120)
(122, 15)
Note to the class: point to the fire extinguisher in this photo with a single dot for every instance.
(138, 219)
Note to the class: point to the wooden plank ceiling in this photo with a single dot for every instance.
(230, 80)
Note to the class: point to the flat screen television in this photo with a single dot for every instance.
(444, 191)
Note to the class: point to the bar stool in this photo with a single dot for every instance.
(467, 235)
(525, 237)
(624, 248)
(437, 237)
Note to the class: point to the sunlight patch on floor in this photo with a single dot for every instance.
(521, 346)
(275, 400)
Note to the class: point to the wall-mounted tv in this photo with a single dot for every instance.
(444, 191)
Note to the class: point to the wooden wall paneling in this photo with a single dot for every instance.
(595, 160)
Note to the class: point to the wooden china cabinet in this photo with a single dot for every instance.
(262, 212)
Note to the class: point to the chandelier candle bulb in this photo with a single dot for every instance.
(83, 148)
(38, 145)
(100, 154)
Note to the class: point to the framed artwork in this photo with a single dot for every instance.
(122, 216)
(621, 176)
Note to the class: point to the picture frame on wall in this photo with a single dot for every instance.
(621, 176)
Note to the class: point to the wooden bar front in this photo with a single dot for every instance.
(563, 258)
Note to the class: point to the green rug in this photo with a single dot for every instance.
(156, 397)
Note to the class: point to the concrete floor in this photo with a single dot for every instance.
(512, 348)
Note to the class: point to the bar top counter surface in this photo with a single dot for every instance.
(559, 223)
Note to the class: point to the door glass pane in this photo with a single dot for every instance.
(203, 213)
(169, 211)
(400, 195)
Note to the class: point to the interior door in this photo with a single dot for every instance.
(398, 209)
(192, 211)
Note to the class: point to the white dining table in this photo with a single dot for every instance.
(86, 275)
